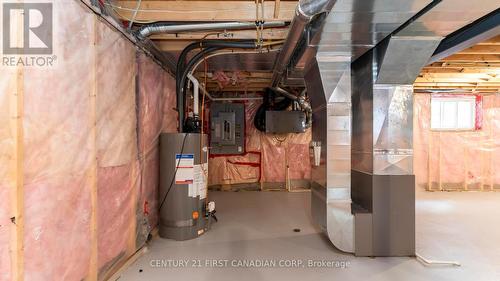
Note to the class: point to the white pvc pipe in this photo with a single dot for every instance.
(196, 87)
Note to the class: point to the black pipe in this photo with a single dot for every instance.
(183, 69)
(182, 83)
(207, 43)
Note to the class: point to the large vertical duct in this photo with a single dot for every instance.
(344, 37)
(381, 219)
(328, 80)
(382, 180)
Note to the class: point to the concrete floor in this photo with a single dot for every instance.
(259, 226)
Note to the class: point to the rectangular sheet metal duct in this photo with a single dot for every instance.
(382, 180)
(383, 70)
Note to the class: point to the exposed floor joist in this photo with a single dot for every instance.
(474, 69)
(150, 11)
(268, 34)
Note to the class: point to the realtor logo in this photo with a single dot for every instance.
(27, 29)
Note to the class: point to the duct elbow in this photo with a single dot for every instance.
(310, 8)
(146, 30)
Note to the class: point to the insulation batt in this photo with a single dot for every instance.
(7, 169)
(275, 152)
(457, 159)
(57, 148)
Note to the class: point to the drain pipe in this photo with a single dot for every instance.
(196, 88)
(151, 29)
(306, 10)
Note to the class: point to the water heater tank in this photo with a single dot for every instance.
(183, 185)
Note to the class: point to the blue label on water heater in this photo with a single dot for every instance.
(184, 166)
(184, 156)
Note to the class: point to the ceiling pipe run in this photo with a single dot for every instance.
(151, 29)
(304, 13)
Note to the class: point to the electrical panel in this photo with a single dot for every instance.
(281, 122)
(227, 128)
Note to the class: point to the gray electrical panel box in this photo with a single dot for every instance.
(280, 122)
(227, 128)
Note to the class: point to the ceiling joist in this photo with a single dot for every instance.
(268, 34)
(152, 11)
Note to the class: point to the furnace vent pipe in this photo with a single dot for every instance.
(151, 29)
(196, 88)
(306, 10)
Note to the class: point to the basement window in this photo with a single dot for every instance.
(456, 113)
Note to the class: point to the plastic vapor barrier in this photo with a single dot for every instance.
(79, 152)
(457, 160)
(274, 152)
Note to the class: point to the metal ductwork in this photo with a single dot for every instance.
(343, 38)
(306, 10)
(404, 57)
(381, 46)
(382, 180)
(148, 30)
(329, 85)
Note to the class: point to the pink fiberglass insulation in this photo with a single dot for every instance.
(265, 153)
(492, 115)
(169, 105)
(156, 99)
(299, 161)
(116, 107)
(273, 158)
(57, 232)
(58, 145)
(57, 153)
(252, 135)
(457, 160)
(421, 134)
(148, 203)
(7, 170)
(150, 107)
(6, 227)
(118, 175)
(116, 214)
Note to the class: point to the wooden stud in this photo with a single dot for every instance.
(466, 169)
(17, 109)
(276, 9)
(136, 176)
(473, 58)
(93, 270)
(482, 49)
(492, 41)
(481, 158)
(429, 147)
(440, 164)
(127, 264)
(492, 171)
